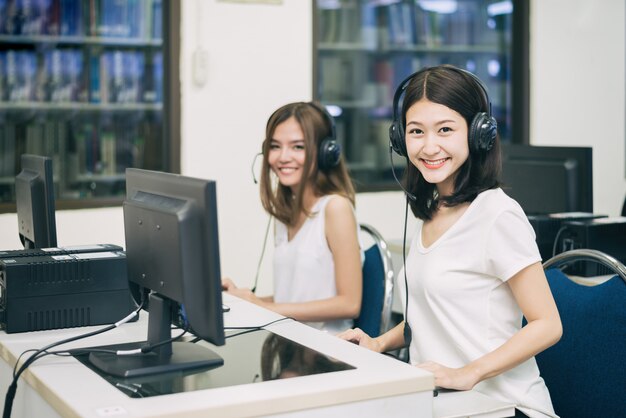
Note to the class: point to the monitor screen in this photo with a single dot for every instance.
(547, 180)
(34, 199)
(172, 250)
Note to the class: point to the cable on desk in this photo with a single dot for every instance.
(248, 329)
(42, 352)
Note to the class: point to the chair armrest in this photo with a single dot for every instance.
(585, 254)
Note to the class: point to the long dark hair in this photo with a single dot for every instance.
(280, 201)
(461, 92)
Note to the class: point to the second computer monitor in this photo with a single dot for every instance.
(547, 180)
(34, 199)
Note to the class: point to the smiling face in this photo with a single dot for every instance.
(286, 155)
(436, 143)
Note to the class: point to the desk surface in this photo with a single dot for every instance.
(378, 383)
(74, 390)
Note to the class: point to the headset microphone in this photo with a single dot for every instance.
(252, 167)
(406, 192)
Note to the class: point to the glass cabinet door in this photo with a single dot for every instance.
(81, 81)
(365, 48)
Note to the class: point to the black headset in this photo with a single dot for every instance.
(329, 151)
(482, 131)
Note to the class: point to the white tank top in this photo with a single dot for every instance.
(304, 269)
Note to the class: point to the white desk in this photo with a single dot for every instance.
(379, 386)
(470, 404)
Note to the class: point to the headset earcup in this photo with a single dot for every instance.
(482, 133)
(328, 154)
(396, 138)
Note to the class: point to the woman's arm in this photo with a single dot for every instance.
(229, 286)
(532, 293)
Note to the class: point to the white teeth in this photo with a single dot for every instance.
(435, 162)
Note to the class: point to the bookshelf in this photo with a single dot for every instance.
(88, 83)
(364, 48)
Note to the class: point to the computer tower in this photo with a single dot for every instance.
(63, 291)
(604, 234)
(74, 249)
(547, 228)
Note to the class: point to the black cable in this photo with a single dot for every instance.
(556, 239)
(408, 335)
(149, 347)
(258, 267)
(249, 329)
(42, 352)
(254, 329)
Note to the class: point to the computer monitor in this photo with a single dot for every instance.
(547, 180)
(172, 249)
(34, 199)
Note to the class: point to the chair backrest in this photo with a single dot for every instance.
(375, 315)
(585, 370)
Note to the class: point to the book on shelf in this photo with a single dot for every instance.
(62, 76)
(71, 18)
(139, 19)
(121, 76)
(7, 149)
(20, 75)
(108, 164)
(401, 24)
(3, 58)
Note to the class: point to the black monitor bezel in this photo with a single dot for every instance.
(172, 249)
(203, 194)
(35, 202)
(580, 161)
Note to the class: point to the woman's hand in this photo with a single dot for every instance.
(245, 294)
(228, 284)
(359, 337)
(446, 377)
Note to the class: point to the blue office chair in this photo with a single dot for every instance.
(375, 315)
(585, 370)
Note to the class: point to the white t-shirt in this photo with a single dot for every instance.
(460, 306)
(304, 269)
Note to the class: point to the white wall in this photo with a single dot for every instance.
(577, 54)
(259, 57)
(74, 227)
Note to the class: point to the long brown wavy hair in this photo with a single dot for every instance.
(280, 201)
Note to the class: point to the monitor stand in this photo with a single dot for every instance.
(168, 358)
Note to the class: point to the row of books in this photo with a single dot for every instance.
(81, 149)
(109, 18)
(64, 75)
(371, 82)
(406, 23)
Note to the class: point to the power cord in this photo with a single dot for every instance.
(556, 239)
(42, 352)
(249, 329)
(258, 267)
